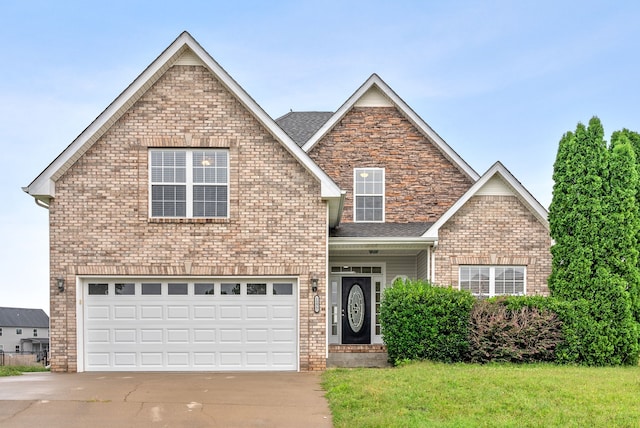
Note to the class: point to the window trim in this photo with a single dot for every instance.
(358, 171)
(189, 183)
(492, 279)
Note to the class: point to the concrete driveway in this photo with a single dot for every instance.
(163, 399)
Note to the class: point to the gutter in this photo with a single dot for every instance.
(39, 202)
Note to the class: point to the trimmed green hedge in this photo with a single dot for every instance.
(424, 322)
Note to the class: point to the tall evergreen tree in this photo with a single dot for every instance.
(594, 222)
(625, 199)
(576, 212)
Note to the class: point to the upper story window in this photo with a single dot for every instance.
(189, 183)
(368, 185)
(489, 281)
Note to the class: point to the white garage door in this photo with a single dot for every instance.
(160, 325)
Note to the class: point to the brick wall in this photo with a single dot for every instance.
(494, 230)
(99, 221)
(420, 183)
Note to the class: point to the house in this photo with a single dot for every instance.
(191, 231)
(24, 330)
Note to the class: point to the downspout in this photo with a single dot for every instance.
(41, 204)
(343, 196)
(433, 262)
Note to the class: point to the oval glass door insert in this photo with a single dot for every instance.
(355, 308)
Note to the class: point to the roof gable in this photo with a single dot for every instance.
(22, 317)
(496, 181)
(375, 92)
(184, 50)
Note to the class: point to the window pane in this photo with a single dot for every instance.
(203, 289)
(125, 289)
(229, 288)
(256, 288)
(283, 289)
(209, 201)
(168, 166)
(151, 289)
(209, 166)
(175, 289)
(168, 201)
(98, 289)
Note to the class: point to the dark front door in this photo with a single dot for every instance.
(356, 313)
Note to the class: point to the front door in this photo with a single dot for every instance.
(356, 314)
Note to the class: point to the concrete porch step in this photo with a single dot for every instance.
(352, 356)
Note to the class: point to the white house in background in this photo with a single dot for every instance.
(24, 330)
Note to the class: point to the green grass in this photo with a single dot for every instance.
(462, 395)
(18, 370)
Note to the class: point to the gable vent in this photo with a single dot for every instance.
(188, 58)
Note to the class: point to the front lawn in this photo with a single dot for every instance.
(463, 395)
(18, 370)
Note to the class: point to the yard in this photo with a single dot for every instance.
(18, 370)
(462, 395)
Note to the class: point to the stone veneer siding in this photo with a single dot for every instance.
(494, 230)
(99, 222)
(420, 182)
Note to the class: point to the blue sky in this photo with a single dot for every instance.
(498, 80)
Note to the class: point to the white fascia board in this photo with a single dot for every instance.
(407, 111)
(45, 182)
(380, 242)
(518, 189)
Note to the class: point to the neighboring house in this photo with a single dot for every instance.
(191, 231)
(24, 330)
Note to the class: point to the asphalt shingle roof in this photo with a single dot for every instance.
(301, 125)
(21, 317)
(379, 230)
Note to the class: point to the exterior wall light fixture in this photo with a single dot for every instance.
(314, 283)
(60, 282)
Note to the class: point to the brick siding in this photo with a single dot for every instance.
(99, 221)
(494, 230)
(420, 182)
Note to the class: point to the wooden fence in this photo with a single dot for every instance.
(8, 359)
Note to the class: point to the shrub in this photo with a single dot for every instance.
(421, 321)
(522, 334)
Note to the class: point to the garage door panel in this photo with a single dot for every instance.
(178, 359)
(257, 335)
(230, 359)
(230, 335)
(124, 336)
(99, 360)
(281, 312)
(125, 359)
(190, 332)
(204, 335)
(124, 312)
(151, 312)
(98, 336)
(228, 312)
(178, 312)
(97, 312)
(151, 359)
(151, 335)
(177, 336)
(204, 312)
(258, 312)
